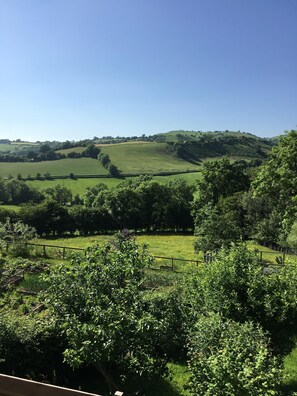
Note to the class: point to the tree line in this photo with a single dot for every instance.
(238, 204)
(138, 204)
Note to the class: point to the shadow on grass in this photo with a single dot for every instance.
(288, 388)
(162, 388)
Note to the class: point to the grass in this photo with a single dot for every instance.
(13, 146)
(78, 186)
(145, 158)
(169, 245)
(78, 166)
(174, 386)
(15, 208)
(178, 246)
(290, 370)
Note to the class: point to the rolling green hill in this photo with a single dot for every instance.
(172, 152)
(148, 157)
(196, 146)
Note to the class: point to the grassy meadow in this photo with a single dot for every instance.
(146, 157)
(15, 146)
(78, 186)
(78, 166)
(178, 246)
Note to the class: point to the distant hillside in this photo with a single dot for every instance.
(146, 157)
(195, 146)
(163, 153)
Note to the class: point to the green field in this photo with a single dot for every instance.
(71, 150)
(140, 158)
(78, 186)
(168, 245)
(15, 208)
(78, 166)
(15, 146)
(178, 246)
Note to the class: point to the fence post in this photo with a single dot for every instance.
(261, 255)
(284, 257)
(44, 251)
(63, 252)
(172, 263)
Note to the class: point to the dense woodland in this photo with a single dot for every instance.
(105, 311)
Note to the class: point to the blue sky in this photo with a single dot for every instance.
(74, 69)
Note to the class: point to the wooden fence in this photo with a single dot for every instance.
(14, 386)
(161, 262)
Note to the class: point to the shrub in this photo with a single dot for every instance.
(235, 286)
(229, 358)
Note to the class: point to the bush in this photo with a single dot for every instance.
(229, 358)
(235, 286)
(17, 235)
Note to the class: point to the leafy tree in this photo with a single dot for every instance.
(95, 196)
(221, 179)
(17, 234)
(91, 151)
(104, 159)
(234, 286)
(124, 205)
(218, 211)
(154, 198)
(16, 192)
(90, 220)
(47, 218)
(180, 205)
(292, 237)
(277, 182)
(113, 170)
(229, 358)
(60, 194)
(98, 301)
(220, 226)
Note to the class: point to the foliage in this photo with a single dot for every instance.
(220, 179)
(221, 225)
(292, 237)
(60, 194)
(277, 182)
(99, 304)
(17, 192)
(229, 358)
(218, 213)
(234, 286)
(172, 312)
(47, 217)
(17, 234)
(29, 347)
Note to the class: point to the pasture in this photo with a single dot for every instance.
(146, 157)
(78, 186)
(177, 246)
(78, 166)
(15, 146)
(180, 246)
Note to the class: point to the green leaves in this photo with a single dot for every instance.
(229, 358)
(99, 303)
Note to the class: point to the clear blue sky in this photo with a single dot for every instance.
(73, 69)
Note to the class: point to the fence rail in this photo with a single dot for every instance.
(161, 262)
